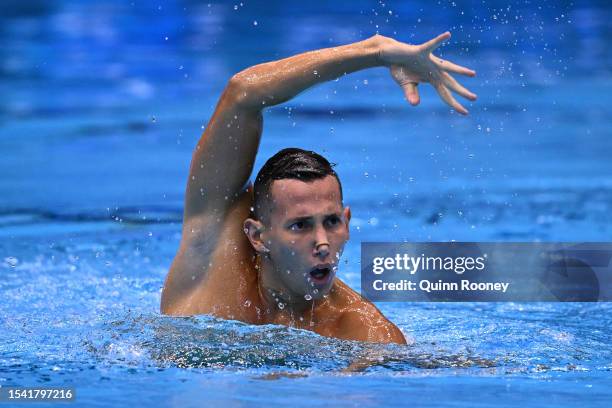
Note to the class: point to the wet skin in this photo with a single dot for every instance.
(304, 232)
(306, 226)
(235, 267)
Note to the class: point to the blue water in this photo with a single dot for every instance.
(101, 105)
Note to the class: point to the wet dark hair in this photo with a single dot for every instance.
(290, 163)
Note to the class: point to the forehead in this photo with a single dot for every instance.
(294, 198)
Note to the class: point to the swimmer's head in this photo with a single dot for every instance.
(300, 225)
(290, 163)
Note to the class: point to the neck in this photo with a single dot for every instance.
(278, 301)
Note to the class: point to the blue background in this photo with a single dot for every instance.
(101, 104)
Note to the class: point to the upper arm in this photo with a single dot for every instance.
(223, 159)
(213, 248)
(214, 257)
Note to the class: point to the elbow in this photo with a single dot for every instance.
(237, 91)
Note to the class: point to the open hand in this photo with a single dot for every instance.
(413, 64)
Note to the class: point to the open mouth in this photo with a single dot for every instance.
(321, 273)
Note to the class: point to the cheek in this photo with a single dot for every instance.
(340, 237)
(288, 250)
(292, 242)
(338, 243)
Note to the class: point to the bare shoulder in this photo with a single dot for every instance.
(361, 320)
(369, 324)
(214, 258)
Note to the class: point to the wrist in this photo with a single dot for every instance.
(374, 47)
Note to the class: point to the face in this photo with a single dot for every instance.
(307, 230)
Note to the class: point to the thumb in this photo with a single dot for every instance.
(407, 82)
(411, 93)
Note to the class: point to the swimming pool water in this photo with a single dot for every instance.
(99, 113)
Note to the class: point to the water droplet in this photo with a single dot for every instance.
(235, 7)
(281, 305)
(247, 303)
(255, 22)
(307, 297)
(11, 261)
(315, 291)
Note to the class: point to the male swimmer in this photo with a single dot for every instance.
(268, 253)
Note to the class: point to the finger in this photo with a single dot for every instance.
(436, 42)
(411, 92)
(450, 82)
(452, 67)
(448, 98)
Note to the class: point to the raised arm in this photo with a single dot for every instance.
(224, 156)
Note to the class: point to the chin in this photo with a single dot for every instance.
(318, 291)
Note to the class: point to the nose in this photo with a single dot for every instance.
(321, 244)
(322, 250)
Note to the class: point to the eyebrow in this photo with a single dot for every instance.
(308, 217)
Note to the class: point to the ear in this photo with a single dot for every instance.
(253, 229)
(346, 212)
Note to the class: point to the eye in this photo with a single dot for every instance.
(333, 221)
(297, 226)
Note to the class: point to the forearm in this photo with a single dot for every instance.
(276, 82)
